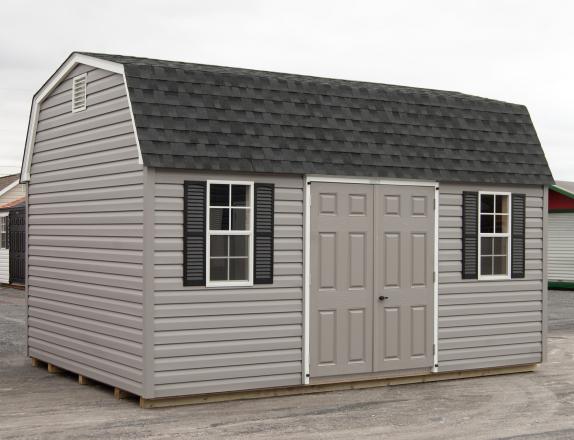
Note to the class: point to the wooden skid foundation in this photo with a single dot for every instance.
(328, 387)
(119, 394)
(54, 370)
(83, 380)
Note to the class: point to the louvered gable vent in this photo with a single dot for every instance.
(79, 93)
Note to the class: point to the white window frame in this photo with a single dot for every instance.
(507, 234)
(250, 233)
(4, 221)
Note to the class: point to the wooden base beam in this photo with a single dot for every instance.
(83, 380)
(120, 394)
(328, 387)
(54, 370)
(36, 362)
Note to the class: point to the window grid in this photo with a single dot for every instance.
(502, 210)
(4, 232)
(247, 232)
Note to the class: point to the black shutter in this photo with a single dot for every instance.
(264, 196)
(518, 233)
(194, 200)
(469, 235)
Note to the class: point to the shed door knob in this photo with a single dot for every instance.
(382, 298)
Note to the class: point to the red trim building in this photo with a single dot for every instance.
(561, 235)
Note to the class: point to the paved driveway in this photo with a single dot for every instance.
(540, 405)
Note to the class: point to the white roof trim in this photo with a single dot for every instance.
(47, 88)
(9, 187)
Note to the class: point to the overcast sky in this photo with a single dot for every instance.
(517, 51)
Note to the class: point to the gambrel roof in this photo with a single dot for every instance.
(205, 117)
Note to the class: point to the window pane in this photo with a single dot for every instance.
(218, 269)
(500, 247)
(218, 246)
(238, 245)
(239, 219)
(486, 223)
(219, 219)
(487, 203)
(238, 269)
(219, 195)
(502, 204)
(486, 265)
(499, 266)
(239, 195)
(501, 223)
(486, 245)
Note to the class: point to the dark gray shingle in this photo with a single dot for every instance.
(227, 119)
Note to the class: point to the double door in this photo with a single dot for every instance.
(371, 291)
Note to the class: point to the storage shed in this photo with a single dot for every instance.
(561, 235)
(197, 229)
(11, 194)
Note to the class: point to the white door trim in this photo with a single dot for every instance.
(369, 180)
(307, 282)
(435, 279)
(307, 256)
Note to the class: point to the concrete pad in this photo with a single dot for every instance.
(533, 406)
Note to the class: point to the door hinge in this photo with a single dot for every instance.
(433, 276)
(434, 349)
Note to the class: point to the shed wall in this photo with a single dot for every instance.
(85, 235)
(561, 246)
(223, 339)
(488, 323)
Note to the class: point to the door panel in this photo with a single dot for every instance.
(403, 259)
(327, 336)
(341, 292)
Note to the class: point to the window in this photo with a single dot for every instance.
(4, 232)
(494, 234)
(229, 233)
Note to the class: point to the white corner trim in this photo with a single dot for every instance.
(9, 187)
(140, 157)
(307, 283)
(72, 61)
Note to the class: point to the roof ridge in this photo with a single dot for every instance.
(128, 59)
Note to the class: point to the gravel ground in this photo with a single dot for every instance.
(533, 406)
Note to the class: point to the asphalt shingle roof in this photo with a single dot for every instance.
(222, 118)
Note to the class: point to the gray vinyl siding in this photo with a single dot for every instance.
(4, 265)
(85, 235)
(224, 339)
(488, 323)
(561, 246)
